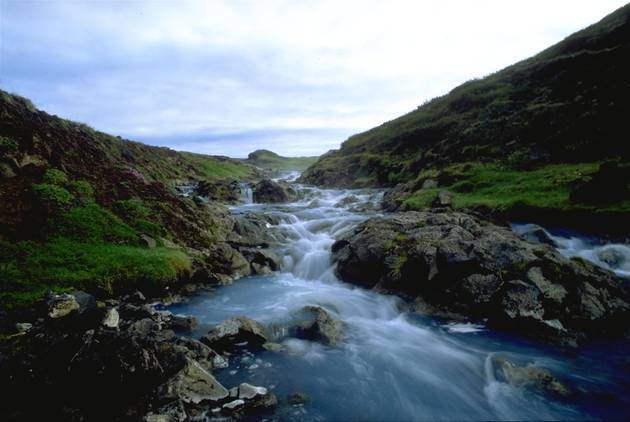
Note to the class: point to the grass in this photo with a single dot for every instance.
(30, 269)
(272, 161)
(502, 187)
(209, 167)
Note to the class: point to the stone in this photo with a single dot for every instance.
(62, 305)
(614, 256)
(234, 404)
(429, 184)
(23, 327)
(193, 384)
(269, 191)
(347, 200)
(531, 377)
(228, 334)
(183, 323)
(274, 347)
(320, 326)
(248, 391)
(442, 199)
(86, 301)
(535, 233)
(147, 241)
(111, 319)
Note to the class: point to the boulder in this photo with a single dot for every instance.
(347, 200)
(23, 327)
(269, 191)
(193, 384)
(320, 326)
(183, 323)
(147, 241)
(615, 256)
(228, 334)
(111, 319)
(62, 305)
(442, 199)
(456, 263)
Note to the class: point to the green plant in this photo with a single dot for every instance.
(51, 194)
(55, 177)
(8, 145)
(91, 222)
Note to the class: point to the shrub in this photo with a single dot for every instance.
(55, 177)
(82, 189)
(8, 145)
(51, 194)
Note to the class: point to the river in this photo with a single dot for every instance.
(393, 364)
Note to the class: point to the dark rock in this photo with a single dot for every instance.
(535, 233)
(614, 257)
(347, 200)
(137, 298)
(236, 331)
(269, 191)
(86, 301)
(201, 353)
(456, 263)
(219, 190)
(23, 327)
(62, 305)
(262, 261)
(193, 384)
(442, 199)
(320, 326)
(394, 197)
(299, 398)
(147, 241)
(183, 323)
(608, 185)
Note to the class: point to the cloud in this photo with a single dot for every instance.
(294, 77)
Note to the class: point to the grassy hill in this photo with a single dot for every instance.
(269, 160)
(527, 135)
(83, 209)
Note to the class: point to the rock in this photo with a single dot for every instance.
(86, 301)
(201, 353)
(183, 323)
(224, 264)
(193, 384)
(320, 326)
(531, 377)
(137, 298)
(394, 197)
(615, 256)
(299, 398)
(235, 331)
(456, 263)
(269, 191)
(248, 391)
(261, 261)
(62, 305)
(347, 200)
(535, 233)
(429, 184)
(147, 241)
(23, 327)
(111, 319)
(234, 404)
(442, 199)
(274, 347)
(219, 190)
(608, 185)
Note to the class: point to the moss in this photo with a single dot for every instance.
(102, 268)
(8, 145)
(93, 223)
(82, 189)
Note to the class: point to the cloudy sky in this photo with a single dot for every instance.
(296, 77)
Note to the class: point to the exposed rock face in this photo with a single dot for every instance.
(269, 191)
(535, 233)
(320, 326)
(236, 331)
(219, 190)
(453, 262)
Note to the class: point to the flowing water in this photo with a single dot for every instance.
(393, 365)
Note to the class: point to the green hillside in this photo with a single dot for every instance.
(269, 160)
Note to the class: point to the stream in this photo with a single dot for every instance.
(393, 364)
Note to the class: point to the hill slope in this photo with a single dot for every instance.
(567, 104)
(80, 208)
(271, 161)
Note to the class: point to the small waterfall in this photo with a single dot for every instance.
(247, 194)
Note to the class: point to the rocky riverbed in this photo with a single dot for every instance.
(440, 315)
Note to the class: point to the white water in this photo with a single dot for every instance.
(247, 194)
(611, 256)
(392, 365)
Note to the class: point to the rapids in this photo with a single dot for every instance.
(393, 364)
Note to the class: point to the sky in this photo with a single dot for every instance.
(295, 77)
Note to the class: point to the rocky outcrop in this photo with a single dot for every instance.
(451, 262)
(240, 330)
(269, 191)
(124, 352)
(219, 190)
(530, 376)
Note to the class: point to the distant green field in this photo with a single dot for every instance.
(211, 167)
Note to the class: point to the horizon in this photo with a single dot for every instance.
(227, 78)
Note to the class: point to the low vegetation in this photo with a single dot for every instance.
(271, 161)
